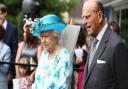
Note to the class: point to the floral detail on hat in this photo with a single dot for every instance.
(48, 22)
(35, 24)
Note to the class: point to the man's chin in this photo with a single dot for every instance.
(89, 32)
(1, 22)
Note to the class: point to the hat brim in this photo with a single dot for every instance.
(58, 27)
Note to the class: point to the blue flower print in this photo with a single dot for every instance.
(57, 75)
(66, 65)
(52, 86)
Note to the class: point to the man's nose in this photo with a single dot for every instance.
(84, 20)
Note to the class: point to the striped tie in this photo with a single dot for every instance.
(92, 51)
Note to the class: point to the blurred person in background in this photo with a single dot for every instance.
(5, 56)
(54, 70)
(24, 70)
(27, 48)
(22, 82)
(114, 26)
(80, 56)
(10, 38)
(81, 48)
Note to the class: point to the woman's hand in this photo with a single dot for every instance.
(79, 60)
(31, 77)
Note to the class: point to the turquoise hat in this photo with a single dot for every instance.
(48, 22)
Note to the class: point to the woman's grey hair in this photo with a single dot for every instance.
(57, 35)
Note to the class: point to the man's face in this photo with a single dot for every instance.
(2, 16)
(91, 20)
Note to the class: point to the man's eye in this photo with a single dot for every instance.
(87, 17)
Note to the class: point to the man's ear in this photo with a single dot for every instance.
(100, 16)
(5, 13)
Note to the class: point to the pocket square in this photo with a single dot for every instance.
(100, 62)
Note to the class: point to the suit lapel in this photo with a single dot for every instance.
(98, 53)
(86, 66)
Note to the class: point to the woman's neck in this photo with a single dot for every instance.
(53, 51)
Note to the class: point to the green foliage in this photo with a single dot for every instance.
(14, 8)
(46, 7)
(124, 25)
(72, 3)
(52, 6)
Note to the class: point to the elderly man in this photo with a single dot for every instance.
(107, 61)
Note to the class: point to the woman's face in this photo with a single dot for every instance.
(27, 34)
(48, 40)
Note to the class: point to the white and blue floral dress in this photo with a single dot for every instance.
(55, 73)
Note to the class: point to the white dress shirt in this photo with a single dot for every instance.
(101, 33)
(5, 24)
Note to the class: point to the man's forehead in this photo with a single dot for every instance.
(89, 5)
(86, 12)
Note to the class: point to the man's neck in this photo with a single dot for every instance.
(4, 24)
(100, 28)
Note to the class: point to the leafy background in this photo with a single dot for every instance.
(46, 6)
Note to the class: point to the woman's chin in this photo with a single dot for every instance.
(45, 48)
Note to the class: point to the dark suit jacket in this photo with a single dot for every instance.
(109, 68)
(11, 39)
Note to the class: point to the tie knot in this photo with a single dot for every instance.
(95, 41)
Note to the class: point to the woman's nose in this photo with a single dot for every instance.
(43, 41)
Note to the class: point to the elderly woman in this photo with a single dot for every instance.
(55, 68)
(5, 56)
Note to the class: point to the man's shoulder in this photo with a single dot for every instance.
(11, 25)
(115, 40)
(115, 37)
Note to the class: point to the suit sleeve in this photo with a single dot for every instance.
(14, 45)
(121, 66)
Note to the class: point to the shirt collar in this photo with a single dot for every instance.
(100, 35)
(5, 24)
